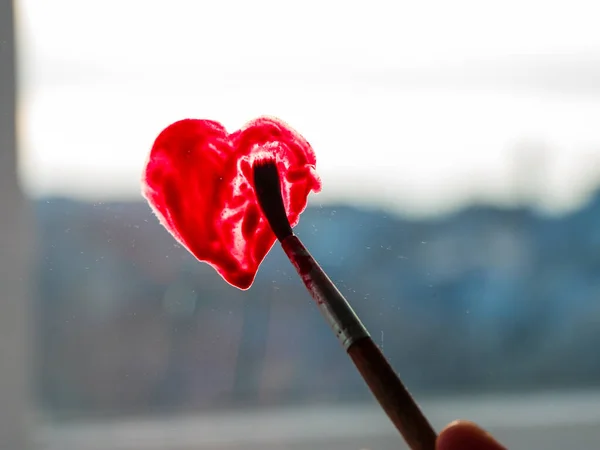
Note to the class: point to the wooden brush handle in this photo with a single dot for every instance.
(393, 397)
(368, 359)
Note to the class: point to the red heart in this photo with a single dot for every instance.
(198, 181)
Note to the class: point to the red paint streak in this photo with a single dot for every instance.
(198, 181)
(305, 264)
(298, 255)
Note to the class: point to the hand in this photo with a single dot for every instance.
(462, 435)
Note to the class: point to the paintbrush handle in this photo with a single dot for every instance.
(384, 383)
(335, 308)
(392, 395)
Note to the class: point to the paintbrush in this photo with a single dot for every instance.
(383, 381)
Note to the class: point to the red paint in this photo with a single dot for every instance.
(198, 181)
(299, 256)
(305, 265)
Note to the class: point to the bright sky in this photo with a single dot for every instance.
(419, 105)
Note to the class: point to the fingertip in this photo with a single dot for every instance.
(464, 435)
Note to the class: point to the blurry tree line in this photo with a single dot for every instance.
(485, 299)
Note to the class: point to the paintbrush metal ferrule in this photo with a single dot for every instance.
(335, 308)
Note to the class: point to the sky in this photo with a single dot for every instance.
(418, 106)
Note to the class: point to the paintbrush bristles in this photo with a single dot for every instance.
(267, 187)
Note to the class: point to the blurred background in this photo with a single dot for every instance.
(459, 148)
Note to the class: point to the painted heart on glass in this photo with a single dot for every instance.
(198, 181)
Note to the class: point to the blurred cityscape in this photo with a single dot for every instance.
(482, 300)
(489, 313)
